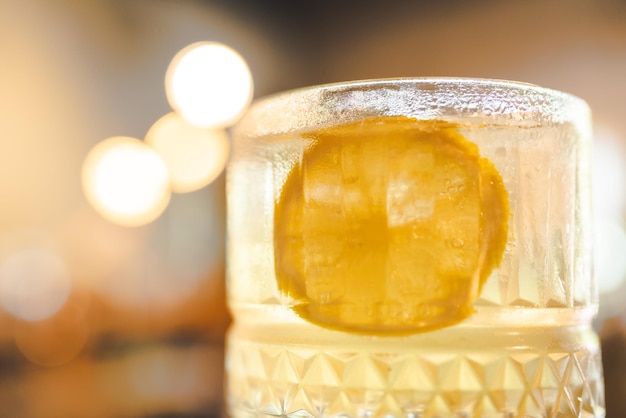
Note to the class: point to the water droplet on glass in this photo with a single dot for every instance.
(457, 243)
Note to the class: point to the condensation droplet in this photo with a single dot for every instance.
(457, 243)
(453, 192)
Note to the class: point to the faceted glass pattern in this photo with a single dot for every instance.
(272, 380)
(527, 350)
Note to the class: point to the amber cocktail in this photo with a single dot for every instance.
(412, 248)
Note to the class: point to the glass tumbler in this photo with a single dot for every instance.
(412, 248)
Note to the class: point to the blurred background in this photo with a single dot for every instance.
(99, 319)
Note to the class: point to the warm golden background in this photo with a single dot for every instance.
(141, 332)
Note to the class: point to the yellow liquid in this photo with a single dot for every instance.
(291, 368)
(528, 350)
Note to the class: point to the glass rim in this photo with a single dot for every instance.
(286, 111)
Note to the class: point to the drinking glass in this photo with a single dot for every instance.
(525, 347)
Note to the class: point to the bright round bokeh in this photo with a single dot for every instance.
(209, 84)
(34, 284)
(58, 339)
(126, 181)
(194, 156)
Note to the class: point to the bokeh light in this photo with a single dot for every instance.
(59, 339)
(34, 284)
(209, 84)
(126, 181)
(194, 156)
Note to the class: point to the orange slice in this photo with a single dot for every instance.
(388, 226)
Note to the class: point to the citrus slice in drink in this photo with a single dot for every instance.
(387, 226)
